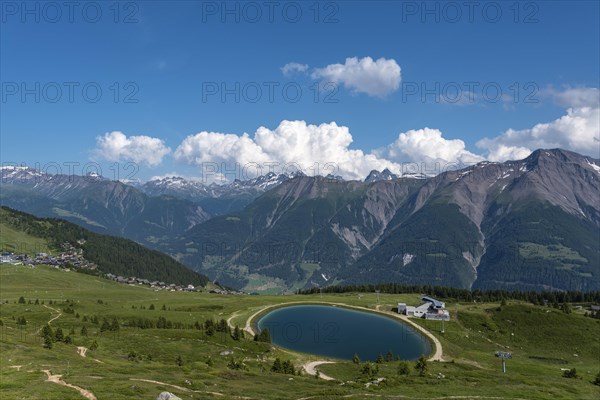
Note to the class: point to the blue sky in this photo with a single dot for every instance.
(165, 56)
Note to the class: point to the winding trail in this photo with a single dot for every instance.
(235, 314)
(50, 320)
(58, 380)
(311, 369)
(56, 311)
(184, 389)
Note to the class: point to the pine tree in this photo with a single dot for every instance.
(421, 366)
(369, 370)
(403, 368)
(209, 327)
(58, 335)
(356, 359)
(597, 380)
(237, 333)
(263, 336)
(47, 331)
(277, 366)
(21, 300)
(47, 342)
(105, 326)
(389, 357)
(94, 346)
(179, 360)
(379, 359)
(84, 331)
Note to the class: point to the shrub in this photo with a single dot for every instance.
(369, 370)
(263, 336)
(403, 368)
(421, 366)
(597, 380)
(570, 373)
(233, 364)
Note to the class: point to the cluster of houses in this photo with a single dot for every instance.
(429, 309)
(69, 257)
(132, 280)
(225, 291)
(157, 285)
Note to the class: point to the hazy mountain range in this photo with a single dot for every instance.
(527, 224)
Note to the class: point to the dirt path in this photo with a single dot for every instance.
(56, 311)
(183, 389)
(311, 369)
(51, 319)
(82, 350)
(58, 380)
(437, 351)
(235, 314)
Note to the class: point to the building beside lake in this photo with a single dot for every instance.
(429, 309)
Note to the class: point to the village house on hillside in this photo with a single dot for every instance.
(430, 309)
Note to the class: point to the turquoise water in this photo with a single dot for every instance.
(340, 333)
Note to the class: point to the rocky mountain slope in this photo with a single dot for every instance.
(216, 199)
(527, 224)
(98, 204)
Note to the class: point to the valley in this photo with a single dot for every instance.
(529, 224)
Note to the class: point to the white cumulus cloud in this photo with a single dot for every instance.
(376, 78)
(578, 130)
(116, 146)
(430, 147)
(290, 68)
(315, 149)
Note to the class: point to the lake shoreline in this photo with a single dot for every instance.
(433, 347)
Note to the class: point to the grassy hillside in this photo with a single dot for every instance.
(24, 233)
(128, 362)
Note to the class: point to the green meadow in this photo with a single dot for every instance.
(132, 362)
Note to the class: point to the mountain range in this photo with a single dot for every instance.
(530, 224)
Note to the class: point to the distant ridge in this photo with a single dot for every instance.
(111, 254)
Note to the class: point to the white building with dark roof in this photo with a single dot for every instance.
(430, 309)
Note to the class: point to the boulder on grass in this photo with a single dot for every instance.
(167, 396)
